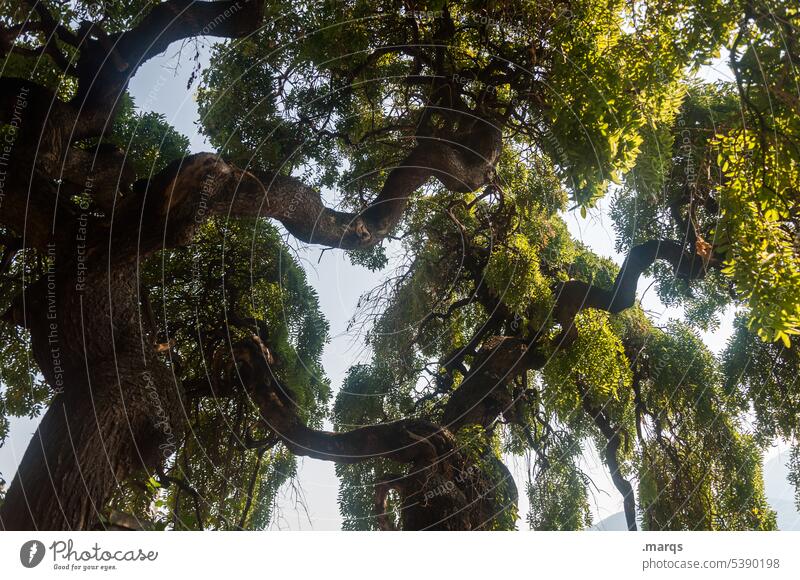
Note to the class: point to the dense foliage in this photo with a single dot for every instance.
(589, 99)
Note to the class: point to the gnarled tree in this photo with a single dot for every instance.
(177, 340)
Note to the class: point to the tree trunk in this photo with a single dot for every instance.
(117, 409)
(79, 453)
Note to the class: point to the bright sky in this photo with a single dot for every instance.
(160, 86)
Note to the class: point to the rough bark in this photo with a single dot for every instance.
(191, 189)
(106, 350)
(84, 447)
(485, 393)
(117, 408)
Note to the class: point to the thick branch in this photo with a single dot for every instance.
(105, 64)
(174, 202)
(576, 295)
(485, 393)
(411, 441)
(108, 62)
(301, 210)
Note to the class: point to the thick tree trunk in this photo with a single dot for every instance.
(117, 409)
(84, 446)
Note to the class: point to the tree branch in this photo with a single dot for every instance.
(407, 441)
(612, 456)
(576, 295)
(174, 202)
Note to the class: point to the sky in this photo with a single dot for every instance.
(161, 86)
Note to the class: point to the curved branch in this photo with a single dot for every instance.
(441, 490)
(484, 395)
(108, 61)
(412, 441)
(459, 167)
(576, 295)
(174, 202)
(180, 19)
(462, 160)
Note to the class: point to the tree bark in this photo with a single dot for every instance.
(117, 408)
(441, 490)
(117, 405)
(85, 446)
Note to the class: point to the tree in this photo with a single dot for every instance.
(155, 310)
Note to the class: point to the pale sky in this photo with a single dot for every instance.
(159, 86)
